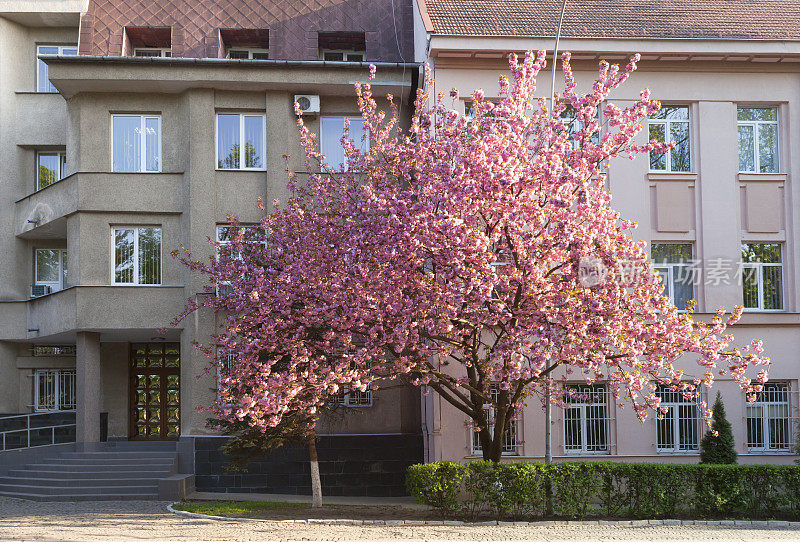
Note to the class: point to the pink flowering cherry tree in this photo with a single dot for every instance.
(477, 256)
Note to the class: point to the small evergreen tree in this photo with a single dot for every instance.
(719, 448)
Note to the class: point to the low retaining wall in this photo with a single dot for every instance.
(367, 466)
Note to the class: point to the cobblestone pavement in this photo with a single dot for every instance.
(149, 520)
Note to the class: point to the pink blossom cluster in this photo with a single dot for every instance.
(448, 256)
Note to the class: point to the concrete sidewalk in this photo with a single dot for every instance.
(405, 502)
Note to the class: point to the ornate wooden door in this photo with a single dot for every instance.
(155, 394)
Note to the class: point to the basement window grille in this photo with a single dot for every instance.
(769, 419)
(586, 420)
(510, 444)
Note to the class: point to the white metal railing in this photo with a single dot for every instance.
(27, 430)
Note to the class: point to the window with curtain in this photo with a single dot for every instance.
(331, 131)
(757, 129)
(671, 123)
(674, 262)
(137, 255)
(136, 143)
(43, 83)
(241, 141)
(762, 276)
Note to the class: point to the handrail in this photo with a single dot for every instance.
(28, 429)
(48, 413)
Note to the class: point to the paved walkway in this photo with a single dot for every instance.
(149, 520)
(405, 502)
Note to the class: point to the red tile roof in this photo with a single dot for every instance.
(292, 25)
(725, 19)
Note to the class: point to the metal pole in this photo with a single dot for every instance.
(29, 431)
(548, 407)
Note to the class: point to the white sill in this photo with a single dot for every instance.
(240, 169)
(678, 452)
(764, 310)
(655, 175)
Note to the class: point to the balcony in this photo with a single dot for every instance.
(43, 214)
(112, 310)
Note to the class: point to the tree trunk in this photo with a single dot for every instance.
(316, 484)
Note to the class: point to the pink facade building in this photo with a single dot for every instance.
(720, 212)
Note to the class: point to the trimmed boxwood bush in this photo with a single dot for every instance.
(613, 490)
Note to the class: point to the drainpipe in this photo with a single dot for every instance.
(548, 409)
(426, 433)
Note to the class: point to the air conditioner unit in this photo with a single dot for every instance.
(309, 103)
(38, 290)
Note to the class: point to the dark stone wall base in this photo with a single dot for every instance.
(356, 466)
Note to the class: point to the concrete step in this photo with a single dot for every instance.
(119, 455)
(100, 460)
(126, 445)
(79, 482)
(77, 490)
(72, 497)
(111, 473)
(104, 467)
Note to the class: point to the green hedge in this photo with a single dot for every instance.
(614, 490)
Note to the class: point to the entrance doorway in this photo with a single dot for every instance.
(155, 394)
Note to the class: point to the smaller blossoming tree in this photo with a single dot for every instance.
(477, 256)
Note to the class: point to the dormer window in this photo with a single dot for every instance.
(248, 54)
(342, 46)
(152, 52)
(147, 41)
(244, 43)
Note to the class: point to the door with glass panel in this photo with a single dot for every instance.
(155, 404)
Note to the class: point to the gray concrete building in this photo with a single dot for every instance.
(115, 161)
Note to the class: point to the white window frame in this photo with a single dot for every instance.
(345, 53)
(61, 378)
(672, 268)
(241, 167)
(54, 286)
(667, 124)
(756, 124)
(581, 408)
(511, 441)
(62, 167)
(251, 51)
(764, 419)
(677, 425)
(136, 230)
(163, 52)
(61, 48)
(142, 144)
